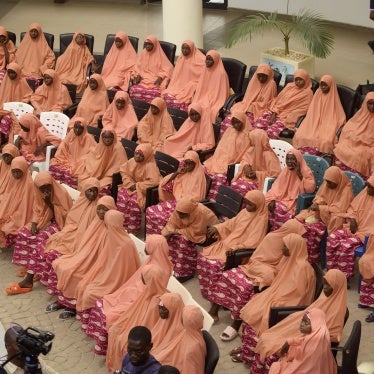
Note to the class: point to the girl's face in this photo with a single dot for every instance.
(163, 311)
(3, 39)
(186, 50)
(299, 82)
(17, 173)
(291, 161)
(331, 185)
(118, 42)
(236, 124)
(327, 289)
(46, 190)
(34, 33)
(285, 251)
(209, 62)
(262, 78)
(91, 193)
(154, 110)
(194, 116)
(78, 128)
(93, 83)
(79, 39)
(101, 210)
(182, 215)
(305, 325)
(48, 80)
(251, 207)
(148, 46)
(108, 138)
(138, 156)
(12, 74)
(189, 165)
(370, 106)
(120, 103)
(7, 158)
(324, 87)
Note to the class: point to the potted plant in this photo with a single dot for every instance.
(307, 26)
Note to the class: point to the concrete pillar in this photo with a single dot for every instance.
(182, 19)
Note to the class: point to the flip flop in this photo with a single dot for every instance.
(228, 334)
(67, 314)
(235, 351)
(237, 358)
(21, 272)
(370, 317)
(15, 289)
(54, 307)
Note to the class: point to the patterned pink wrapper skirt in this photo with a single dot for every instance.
(209, 272)
(172, 102)
(139, 92)
(128, 205)
(280, 216)
(263, 123)
(157, 215)
(314, 234)
(367, 294)
(63, 175)
(217, 180)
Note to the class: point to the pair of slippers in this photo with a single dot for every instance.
(228, 334)
(64, 315)
(236, 354)
(370, 317)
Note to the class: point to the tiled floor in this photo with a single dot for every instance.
(350, 63)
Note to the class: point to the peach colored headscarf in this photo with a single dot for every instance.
(310, 352)
(329, 200)
(102, 161)
(35, 55)
(356, 142)
(294, 285)
(73, 63)
(124, 121)
(143, 174)
(263, 267)
(186, 74)
(5, 174)
(54, 97)
(246, 230)
(198, 135)
(193, 227)
(78, 219)
(42, 213)
(191, 184)
(117, 261)
(93, 104)
(73, 149)
(71, 268)
(16, 89)
(153, 64)
(118, 302)
(260, 157)
(19, 194)
(143, 311)
(258, 96)
(334, 306)
(366, 262)
(231, 147)
(213, 87)
(5, 59)
(288, 186)
(154, 128)
(325, 115)
(119, 63)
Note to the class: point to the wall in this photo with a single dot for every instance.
(353, 12)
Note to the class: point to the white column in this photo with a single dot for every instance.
(182, 19)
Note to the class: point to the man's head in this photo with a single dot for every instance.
(10, 341)
(139, 344)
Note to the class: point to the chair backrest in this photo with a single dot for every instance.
(319, 280)
(178, 116)
(290, 77)
(348, 98)
(50, 38)
(280, 147)
(358, 184)
(140, 107)
(212, 353)
(140, 247)
(95, 131)
(318, 165)
(277, 75)
(72, 88)
(110, 40)
(65, 40)
(129, 146)
(165, 163)
(18, 108)
(55, 122)
(350, 350)
(235, 70)
(73, 193)
(169, 50)
(12, 36)
(228, 202)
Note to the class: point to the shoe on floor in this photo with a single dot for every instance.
(67, 314)
(370, 317)
(15, 289)
(228, 334)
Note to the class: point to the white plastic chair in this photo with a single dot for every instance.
(18, 108)
(73, 193)
(140, 247)
(57, 124)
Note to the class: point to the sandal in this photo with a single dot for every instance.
(235, 351)
(54, 307)
(15, 289)
(370, 317)
(67, 314)
(237, 358)
(228, 334)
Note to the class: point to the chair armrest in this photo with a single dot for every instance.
(298, 122)
(230, 101)
(304, 201)
(278, 313)
(340, 129)
(268, 182)
(71, 110)
(234, 258)
(116, 181)
(151, 196)
(232, 170)
(203, 155)
(48, 154)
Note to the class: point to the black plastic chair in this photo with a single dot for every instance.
(95, 131)
(50, 38)
(290, 77)
(166, 163)
(169, 50)
(348, 98)
(140, 107)
(12, 36)
(65, 40)
(212, 353)
(178, 116)
(350, 351)
(129, 146)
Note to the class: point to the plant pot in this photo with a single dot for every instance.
(276, 58)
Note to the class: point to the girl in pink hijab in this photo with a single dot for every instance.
(152, 71)
(7, 52)
(186, 74)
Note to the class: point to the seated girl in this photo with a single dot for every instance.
(102, 161)
(185, 76)
(188, 180)
(294, 179)
(50, 208)
(317, 133)
(285, 109)
(187, 227)
(9, 152)
(156, 125)
(246, 230)
(258, 162)
(354, 151)
(230, 150)
(52, 95)
(334, 196)
(72, 65)
(138, 174)
(258, 96)
(119, 63)
(152, 71)
(94, 102)
(196, 133)
(7, 52)
(121, 115)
